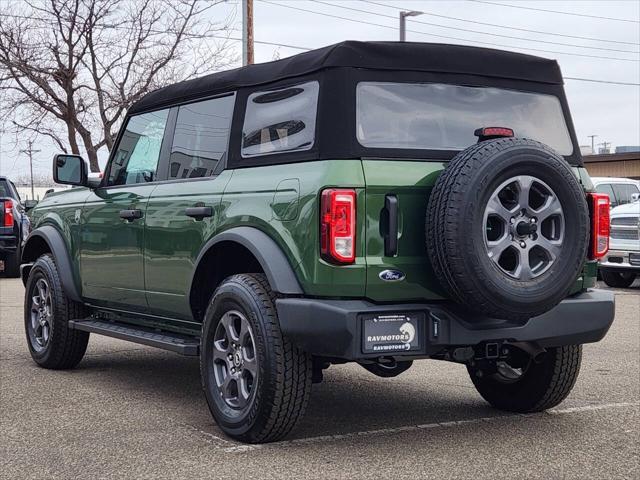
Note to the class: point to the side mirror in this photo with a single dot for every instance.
(69, 170)
(29, 204)
(635, 197)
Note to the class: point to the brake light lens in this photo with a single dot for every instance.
(338, 225)
(493, 132)
(8, 213)
(599, 207)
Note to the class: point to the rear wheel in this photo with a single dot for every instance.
(256, 382)
(618, 279)
(529, 386)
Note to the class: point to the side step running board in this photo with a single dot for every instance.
(184, 344)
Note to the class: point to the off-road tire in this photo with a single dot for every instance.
(285, 371)
(455, 229)
(618, 279)
(542, 386)
(65, 347)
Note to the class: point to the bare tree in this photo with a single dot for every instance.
(69, 69)
(39, 180)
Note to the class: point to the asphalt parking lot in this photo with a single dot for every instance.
(130, 411)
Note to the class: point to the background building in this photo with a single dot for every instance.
(624, 163)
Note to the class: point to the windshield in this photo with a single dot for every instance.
(433, 116)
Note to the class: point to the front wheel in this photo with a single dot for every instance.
(618, 279)
(529, 386)
(47, 311)
(256, 382)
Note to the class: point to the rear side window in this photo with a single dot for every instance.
(606, 189)
(4, 189)
(137, 155)
(281, 120)
(624, 191)
(433, 116)
(201, 137)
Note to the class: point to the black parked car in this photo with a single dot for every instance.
(14, 227)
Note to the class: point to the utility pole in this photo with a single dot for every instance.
(403, 23)
(605, 146)
(247, 32)
(593, 148)
(30, 151)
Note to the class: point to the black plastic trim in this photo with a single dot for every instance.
(332, 328)
(58, 249)
(175, 342)
(270, 256)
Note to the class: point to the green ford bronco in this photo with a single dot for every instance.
(376, 203)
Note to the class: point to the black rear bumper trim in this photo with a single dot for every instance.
(332, 328)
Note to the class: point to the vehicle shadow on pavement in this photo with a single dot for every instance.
(349, 400)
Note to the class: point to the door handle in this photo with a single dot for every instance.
(391, 233)
(199, 212)
(131, 215)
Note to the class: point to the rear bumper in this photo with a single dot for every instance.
(621, 261)
(333, 328)
(8, 243)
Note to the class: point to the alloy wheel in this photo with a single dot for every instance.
(40, 315)
(235, 363)
(524, 227)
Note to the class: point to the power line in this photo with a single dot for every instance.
(477, 31)
(566, 35)
(602, 81)
(449, 37)
(556, 11)
(298, 47)
(119, 27)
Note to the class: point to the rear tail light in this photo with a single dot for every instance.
(599, 207)
(8, 213)
(338, 226)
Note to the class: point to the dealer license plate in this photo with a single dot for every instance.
(389, 333)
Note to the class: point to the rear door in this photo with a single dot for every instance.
(113, 218)
(418, 123)
(183, 212)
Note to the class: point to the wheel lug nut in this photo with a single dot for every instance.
(523, 245)
(513, 220)
(533, 220)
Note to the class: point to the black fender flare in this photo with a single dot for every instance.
(274, 262)
(58, 248)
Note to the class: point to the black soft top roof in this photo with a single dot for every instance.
(409, 56)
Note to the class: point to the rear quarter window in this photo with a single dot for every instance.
(279, 121)
(624, 191)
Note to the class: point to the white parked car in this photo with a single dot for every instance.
(620, 190)
(621, 265)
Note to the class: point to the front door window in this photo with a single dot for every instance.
(136, 160)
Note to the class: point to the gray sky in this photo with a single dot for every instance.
(610, 111)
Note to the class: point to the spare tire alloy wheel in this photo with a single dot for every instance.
(524, 227)
(507, 229)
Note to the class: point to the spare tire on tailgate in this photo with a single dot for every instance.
(507, 228)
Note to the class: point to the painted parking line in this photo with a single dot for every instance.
(415, 428)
